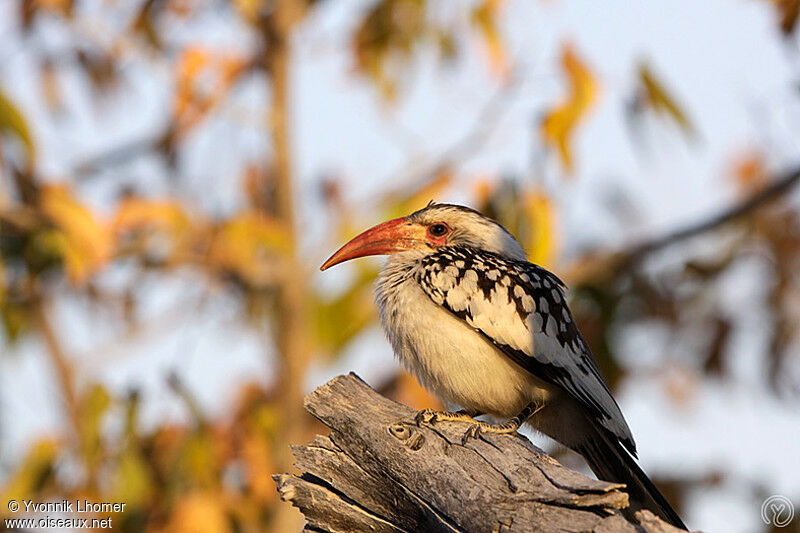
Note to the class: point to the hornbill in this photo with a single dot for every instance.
(488, 331)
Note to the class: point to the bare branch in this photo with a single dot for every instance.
(778, 188)
(604, 264)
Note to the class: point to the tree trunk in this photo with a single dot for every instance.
(291, 329)
(377, 471)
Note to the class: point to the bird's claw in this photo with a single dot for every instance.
(476, 429)
(426, 416)
(432, 416)
(472, 432)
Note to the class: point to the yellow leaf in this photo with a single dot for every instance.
(485, 17)
(154, 218)
(25, 482)
(248, 245)
(541, 245)
(249, 9)
(135, 213)
(200, 512)
(528, 214)
(12, 121)
(85, 242)
(658, 98)
(560, 123)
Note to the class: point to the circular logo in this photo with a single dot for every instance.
(13, 506)
(777, 511)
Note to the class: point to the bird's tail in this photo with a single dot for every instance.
(611, 462)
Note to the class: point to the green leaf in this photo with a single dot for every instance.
(13, 122)
(94, 406)
(133, 482)
(660, 100)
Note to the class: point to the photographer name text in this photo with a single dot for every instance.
(70, 506)
(65, 507)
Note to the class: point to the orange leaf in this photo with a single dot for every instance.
(256, 453)
(84, 241)
(62, 7)
(203, 79)
(249, 9)
(200, 512)
(485, 17)
(560, 123)
(750, 172)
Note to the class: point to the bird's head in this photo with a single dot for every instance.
(426, 230)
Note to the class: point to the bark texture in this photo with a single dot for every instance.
(378, 472)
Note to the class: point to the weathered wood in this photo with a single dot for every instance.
(377, 471)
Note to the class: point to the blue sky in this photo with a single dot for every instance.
(724, 60)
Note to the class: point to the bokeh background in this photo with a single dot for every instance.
(172, 173)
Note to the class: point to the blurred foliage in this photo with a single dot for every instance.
(559, 124)
(654, 95)
(13, 123)
(58, 242)
(788, 11)
(202, 476)
(392, 31)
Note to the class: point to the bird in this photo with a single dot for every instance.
(490, 332)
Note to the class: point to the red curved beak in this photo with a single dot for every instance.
(396, 235)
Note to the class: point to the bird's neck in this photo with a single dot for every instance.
(400, 266)
(398, 270)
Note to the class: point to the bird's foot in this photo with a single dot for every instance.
(431, 416)
(481, 428)
(509, 428)
(476, 428)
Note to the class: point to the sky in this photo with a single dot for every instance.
(723, 59)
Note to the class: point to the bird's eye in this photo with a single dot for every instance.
(438, 230)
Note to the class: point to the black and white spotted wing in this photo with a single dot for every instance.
(521, 309)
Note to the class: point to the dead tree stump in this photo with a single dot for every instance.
(378, 472)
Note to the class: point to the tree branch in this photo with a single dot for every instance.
(379, 472)
(780, 186)
(601, 265)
